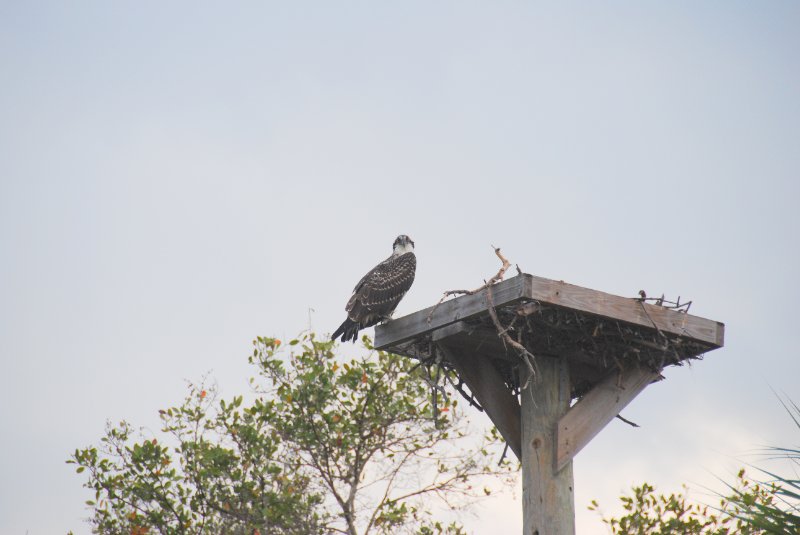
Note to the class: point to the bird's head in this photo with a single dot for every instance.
(403, 244)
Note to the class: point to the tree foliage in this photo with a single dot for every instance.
(324, 446)
(771, 506)
(781, 514)
(649, 513)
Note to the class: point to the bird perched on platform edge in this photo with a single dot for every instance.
(377, 294)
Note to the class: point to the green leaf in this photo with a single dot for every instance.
(239, 465)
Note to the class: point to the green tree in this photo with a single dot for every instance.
(781, 514)
(649, 513)
(771, 506)
(325, 446)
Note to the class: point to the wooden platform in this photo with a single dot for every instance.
(594, 330)
(599, 349)
(603, 338)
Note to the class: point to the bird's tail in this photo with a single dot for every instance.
(349, 331)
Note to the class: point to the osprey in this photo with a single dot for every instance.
(377, 294)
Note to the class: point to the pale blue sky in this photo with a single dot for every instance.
(178, 178)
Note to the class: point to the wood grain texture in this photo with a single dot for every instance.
(449, 331)
(525, 289)
(487, 386)
(547, 494)
(480, 339)
(624, 309)
(597, 408)
(467, 306)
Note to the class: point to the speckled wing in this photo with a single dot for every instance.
(377, 294)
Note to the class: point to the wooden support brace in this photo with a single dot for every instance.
(487, 386)
(598, 407)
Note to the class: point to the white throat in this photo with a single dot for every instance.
(400, 249)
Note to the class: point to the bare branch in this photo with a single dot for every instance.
(632, 424)
(527, 357)
(666, 303)
(494, 280)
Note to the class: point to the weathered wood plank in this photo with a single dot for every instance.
(453, 329)
(487, 386)
(464, 307)
(547, 495)
(597, 408)
(624, 309)
(479, 339)
(523, 288)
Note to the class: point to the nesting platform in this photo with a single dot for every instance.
(594, 353)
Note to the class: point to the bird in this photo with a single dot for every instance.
(377, 294)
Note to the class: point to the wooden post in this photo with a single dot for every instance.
(547, 495)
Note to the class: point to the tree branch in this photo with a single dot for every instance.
(497, 278)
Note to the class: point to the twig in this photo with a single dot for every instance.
(422, 362)
(500, 274)
(503, 456)
(460, 389)
(660, 301)
(527, 357)
(497, 278)
(632, 424)
(434, 383)
(655, 326)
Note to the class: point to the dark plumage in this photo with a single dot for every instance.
(377, 294)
